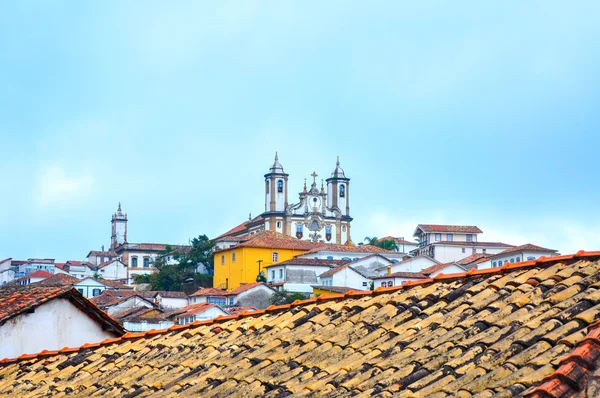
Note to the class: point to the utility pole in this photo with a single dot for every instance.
(259, 262)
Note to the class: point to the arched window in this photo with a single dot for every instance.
(512, 260)
(275, 257)
(329, 257)
(390, 283)
(383, 284)
(299, 231)
(146, 262)
(267, 186)
(518, 259)
(314, 225)
(494, 264)
(279, 186)
(134, 261)
(278, 224)
(342, 191)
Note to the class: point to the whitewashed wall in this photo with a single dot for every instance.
(53, 325)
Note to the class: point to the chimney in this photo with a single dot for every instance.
(389, 271)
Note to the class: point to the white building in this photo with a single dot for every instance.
(350, 252)
(448, 243)
(143, 319)
(115, 301)
(36, 318)
(199, 312)
(112, 270)
(321, 214)
(255, 295)
(7, 274)
(298, 275)
(171, 300)
(396, 279)
(344, 276)
(209, 295)
(447, 268)
(517, 254)
(34, 277)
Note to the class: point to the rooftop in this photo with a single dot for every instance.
(275, 240)
(528, 247)
(58, 280)
(408, 275)
(438, 267)
(478, 244)
(208, 291)
(194, 309)
(465, 229)
(310, 261)
(524, 328)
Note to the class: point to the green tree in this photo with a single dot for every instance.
(261, 278)
(388, 245)
(182, 275)
(371, 241)
(281, 297)
(141, 278)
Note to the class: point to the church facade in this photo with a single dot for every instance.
(320, 214)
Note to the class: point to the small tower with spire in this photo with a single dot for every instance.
(276, 188)
(338, 192)
(119, 228)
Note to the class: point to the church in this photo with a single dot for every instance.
(320, 215)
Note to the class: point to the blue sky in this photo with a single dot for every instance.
(471, 113)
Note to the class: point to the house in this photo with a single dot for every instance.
(142, 319)
(91, 287)
(245, 261)
(529, 329)
(80, 269)
(447, 243)
(410, 264)
(97, 257)
(329, 290)
(396, 279)
(447, 268)
(36, 276)
(298, 274)
(198, 312)
(474, 260)
(59, 280)
(345, 275)
(349, 252)
(115, 301)
(113, 270)
(517, 254)
(7, 274)
(35, 318)
(209, 295)
(254, 294)
(169, 300)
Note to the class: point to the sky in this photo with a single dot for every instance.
(469, 113)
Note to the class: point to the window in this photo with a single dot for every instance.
(222, 259)
(329, 257)
(438, 237)
(279, 186)
(273, 275)
(134, 261)
(231, 300)
(299, 231)
(449, 237)
(365, 284)
(217, 300)
(275, 257)
(483, 251)
(518, 259)
(342, 191)
(267, 186)
(96, 292)
(494, 264)
(146, 262)
(390, 283)
(530, 258)
(383, 284)
(463, 249)
(278, 224)
(469, 238)
(512, 260)
(281, 273)
(233, 257)
(80, 291)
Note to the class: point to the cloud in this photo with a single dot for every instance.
(57, 186)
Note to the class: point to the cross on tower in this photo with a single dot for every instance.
(314, 175)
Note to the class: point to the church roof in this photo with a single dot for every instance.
(524, 328)
(338, 172)
(275, 240)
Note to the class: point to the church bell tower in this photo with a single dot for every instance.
(338, 192)
(276, 188)
(119, 229)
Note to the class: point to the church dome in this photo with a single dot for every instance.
(277, 167)
(338, 172)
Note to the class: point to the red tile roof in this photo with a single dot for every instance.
(166, 294)
(238, 310)
(209, 291)
(350, 249)
(111, 297)
(310, 261)
(38, 274)
(275, 240)
(16, 300)
(527, 247)
(437, 267)
(133, 313)
(245, 287)
(194, 309)
(60, 265)
(475, 258)
(234, 230)
(342, 267)
(58, 280)
(337, 289)
(100, 253)
(413, 275)
(465, 229)
(478, 244)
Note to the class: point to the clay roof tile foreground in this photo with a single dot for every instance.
(524, 328)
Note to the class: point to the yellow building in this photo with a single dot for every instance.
(329, 290)
(243, 262)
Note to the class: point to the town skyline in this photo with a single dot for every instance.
(176, 112)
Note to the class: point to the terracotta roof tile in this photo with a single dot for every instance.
(478, 244)
(209, 291)
(478, 333)
(527, 247)
(194, 309)
(245, 287)
(336, 289)
(173, 294)
(437, 267)
(58, 279)
(475, 258)
(468, 229)
(275, 240)
(310, 261)
(414, 275)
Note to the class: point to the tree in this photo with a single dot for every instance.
(182, 275)
(388, 245)
(281, 297)
(371, 241)
(141, 278)
(261, 278)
